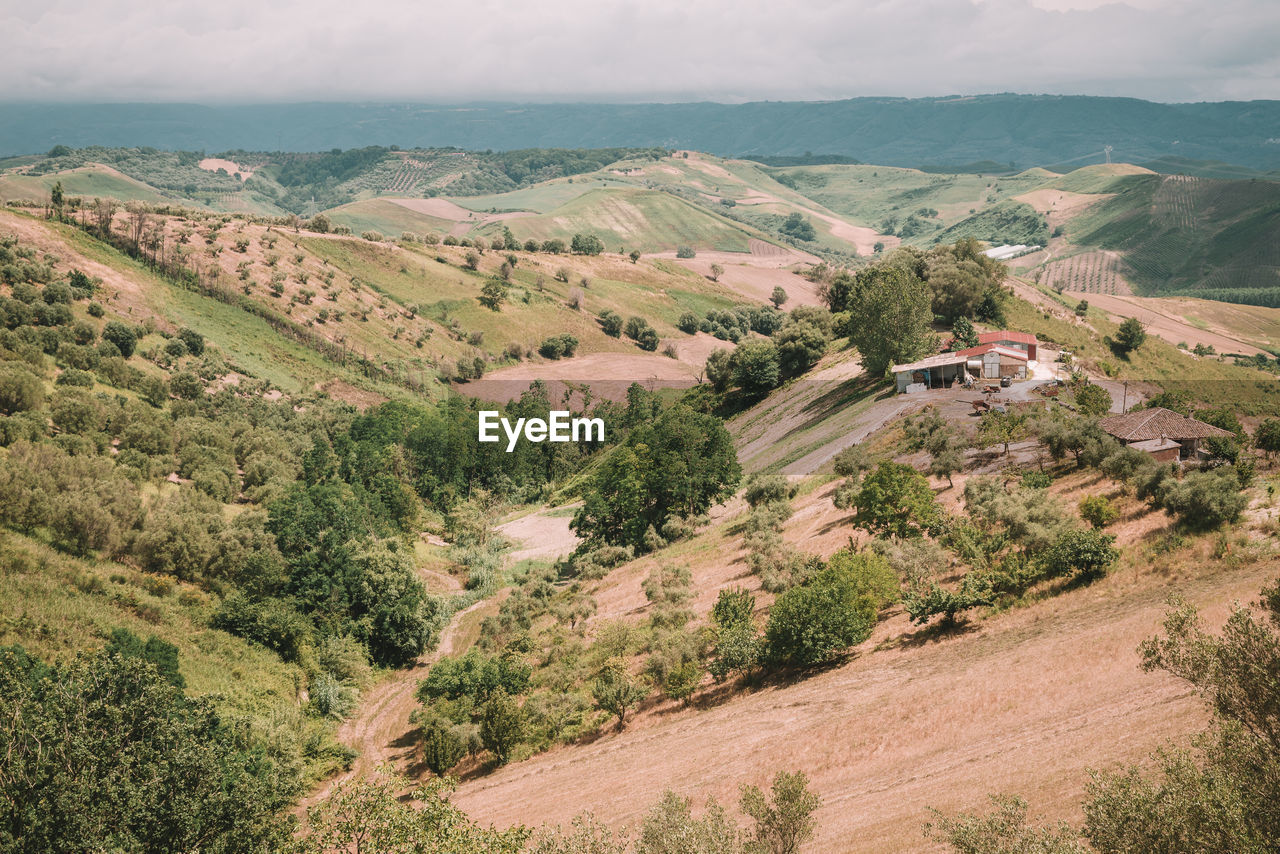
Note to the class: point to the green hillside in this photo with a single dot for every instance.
(1191, 236)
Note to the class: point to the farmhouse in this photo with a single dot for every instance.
(1024, 341)
(1164, 434)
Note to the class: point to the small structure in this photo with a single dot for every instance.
(940, 371)
(1162, 450)
(1024, 341)
(1156, 430)
(993, 361)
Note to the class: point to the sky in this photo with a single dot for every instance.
(243, 51)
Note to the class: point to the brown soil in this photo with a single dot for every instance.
(347, 393)
(213, 164)
(541, 536)
(1060, 205)
(608, 374)
(917, 718)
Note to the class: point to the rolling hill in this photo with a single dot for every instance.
(1025, 130)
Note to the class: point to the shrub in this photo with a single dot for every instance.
(1203, 499)
(812, 624)
(688, 323)
(1088, 552)
(1098, 511)
(20, 390)
(122, 336)
(611, 323)
(685, 252)
(648, 339)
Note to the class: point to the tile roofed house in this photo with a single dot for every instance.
(1143, 426)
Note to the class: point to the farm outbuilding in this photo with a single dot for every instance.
(1024, 341)
(940, 371)
(1152, 430)
(993, 361)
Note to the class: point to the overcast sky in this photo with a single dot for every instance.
(670, 50)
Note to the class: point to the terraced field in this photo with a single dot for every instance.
(1087, 272)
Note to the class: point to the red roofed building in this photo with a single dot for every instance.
(1024, 341)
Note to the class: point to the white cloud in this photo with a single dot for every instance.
(239, 50)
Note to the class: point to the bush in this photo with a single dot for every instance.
(685, 252)
(810, 625)
(1203, 499)
(1089, 553)
(557, 346)
(611, 323)
(648, 339)
(121, 336)
(1098, 511)
(688, 323)
(20, 390)
(756, 368)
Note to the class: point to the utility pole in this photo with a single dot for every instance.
(1124, 401)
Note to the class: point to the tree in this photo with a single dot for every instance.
(670, 828)
(778, 297)
(1082, 308)
(1089, 553)
(616, 692)
(890, 312)
(896, 500)
(734, 607)
(944, 444)
(719, 369)
(1267, 436)
(194, 341)
(122, 336)
(319, 223)
(797, 226)
(611, 323)
(1220, 796)
(716, 272)
(369, 816)
(634, 326)
(810, 625)
(1203, 499)
(105, 752)
(586, 244)
(20, 390)
(502, 725)
(1131, 335)
(688, 323)
(493, 294)
(56, 200)
(675, 465)
(648, 339)
(472, 260)
(1093, 400)
(964, 334)
(685, 252)
(634, 256)
(1003, 831)
(786, 823)
(1002, 428)
(801, 342)
(756, 367)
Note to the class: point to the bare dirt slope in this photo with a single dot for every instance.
(1162, 316)
(1026, 702)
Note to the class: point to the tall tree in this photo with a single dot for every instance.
(890, 312)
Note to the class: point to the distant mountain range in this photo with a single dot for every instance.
(1019, 130)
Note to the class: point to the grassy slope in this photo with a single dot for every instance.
(86, 181)
(58, 606)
